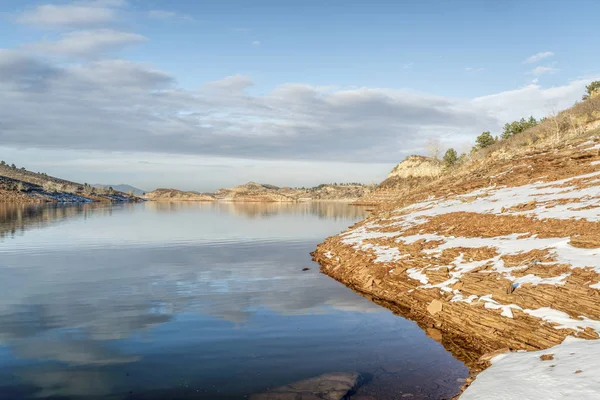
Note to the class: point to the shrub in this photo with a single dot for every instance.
(484, 140)
(450, 158)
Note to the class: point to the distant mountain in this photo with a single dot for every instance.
(122, 188)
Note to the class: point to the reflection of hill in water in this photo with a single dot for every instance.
(322, 209)
(17, 218)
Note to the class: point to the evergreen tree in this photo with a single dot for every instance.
(485, 140)
(591, 89)
(450, 157)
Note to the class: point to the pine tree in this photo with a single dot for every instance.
(450, 157)
(485, 140)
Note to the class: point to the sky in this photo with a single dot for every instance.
(200, 95)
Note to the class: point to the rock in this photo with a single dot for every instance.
(547, 357)
(434, 307)
(305, 269)
(331, 386)
(435, 334)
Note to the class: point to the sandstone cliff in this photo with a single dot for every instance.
(413, 172)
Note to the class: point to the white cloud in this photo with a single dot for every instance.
(88, 43)
(127, 106)
(409, 65)
(474, 69)
(234, 83)
(539, 56)
(165, 15)
(256, 43)
(538, 71)
(531, 100)
(72, 15)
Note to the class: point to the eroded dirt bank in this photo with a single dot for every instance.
(506, 256)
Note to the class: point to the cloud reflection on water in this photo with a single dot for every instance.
(66, 300)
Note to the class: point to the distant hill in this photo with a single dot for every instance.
(177, 195)
(258, 192)
(122, 188)
(17, 185)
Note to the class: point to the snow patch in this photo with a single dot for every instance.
(572, 374)
(563, 319)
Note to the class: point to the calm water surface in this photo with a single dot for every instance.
(193, 301)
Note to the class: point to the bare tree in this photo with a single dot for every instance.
(433, 148)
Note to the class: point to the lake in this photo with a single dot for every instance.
(193, 301)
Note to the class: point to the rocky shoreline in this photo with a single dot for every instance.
(503, 258)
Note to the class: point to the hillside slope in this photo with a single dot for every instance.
(504, 254)
(22, 186)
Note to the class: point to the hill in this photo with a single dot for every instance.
(500, 252)
(122, 188)
(258, 192)
(17, 185)
(177, 195)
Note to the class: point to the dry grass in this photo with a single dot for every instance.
(573, 122)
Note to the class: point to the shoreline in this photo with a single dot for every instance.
(504, 259)
(349, 201)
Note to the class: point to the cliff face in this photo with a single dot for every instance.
(177, 195)
(413, 172)
(504, 255)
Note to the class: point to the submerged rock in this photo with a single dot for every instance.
(331, 386)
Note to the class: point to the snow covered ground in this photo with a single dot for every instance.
(575, 198)
(568, 371)
(522, 253)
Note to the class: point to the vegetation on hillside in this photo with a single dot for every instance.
(19, 184)
(527, 132)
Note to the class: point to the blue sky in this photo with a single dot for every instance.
(423, 45)
(286, 92)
